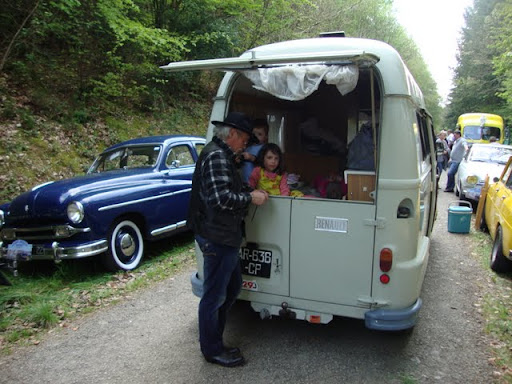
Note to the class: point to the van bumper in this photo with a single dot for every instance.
(393, 319)
(197, 285)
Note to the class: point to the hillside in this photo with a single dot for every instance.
(36, 148)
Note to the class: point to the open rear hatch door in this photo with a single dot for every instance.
(255, 59)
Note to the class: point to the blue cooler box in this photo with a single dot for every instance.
(459, 216)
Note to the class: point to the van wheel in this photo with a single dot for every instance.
(125, 246)
(456, 189)
(499, 263)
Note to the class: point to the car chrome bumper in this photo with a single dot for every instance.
(57, 252)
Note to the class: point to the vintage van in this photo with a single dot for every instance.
(479, 127)
(361, 253)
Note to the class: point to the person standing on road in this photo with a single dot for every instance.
(219, 203)
(450, 137)
(442, 151)
(459, 149)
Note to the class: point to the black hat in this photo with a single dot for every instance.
(237, 120)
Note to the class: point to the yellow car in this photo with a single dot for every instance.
(497, 218)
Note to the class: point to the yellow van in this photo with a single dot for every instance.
(479, 127)
(346, 111)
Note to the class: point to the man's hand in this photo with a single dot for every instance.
(248, 157)
(259, 197)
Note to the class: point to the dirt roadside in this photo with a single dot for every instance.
(152, 337)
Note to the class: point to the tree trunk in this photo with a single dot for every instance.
(9, 47)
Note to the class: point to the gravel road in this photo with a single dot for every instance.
(152, 338)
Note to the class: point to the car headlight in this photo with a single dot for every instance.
(75, 212)
(2, 218)
(472, 179)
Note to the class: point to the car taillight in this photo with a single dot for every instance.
(385, 263)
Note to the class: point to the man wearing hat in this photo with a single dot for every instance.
(218, 205)
(459, 149)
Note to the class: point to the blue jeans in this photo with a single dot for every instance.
(222, 284)
(440, 166)
(452, 170)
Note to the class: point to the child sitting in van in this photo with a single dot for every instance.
(260, 131)
(269, 175)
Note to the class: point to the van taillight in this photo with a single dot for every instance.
(386, 259)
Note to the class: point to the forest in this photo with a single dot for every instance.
(79, 75)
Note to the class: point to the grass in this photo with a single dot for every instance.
(497, 310)
(47, 296)
(407, 379)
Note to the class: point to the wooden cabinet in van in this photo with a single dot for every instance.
(360, 185)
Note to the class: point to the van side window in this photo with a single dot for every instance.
(424, 133)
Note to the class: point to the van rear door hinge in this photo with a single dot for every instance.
(379, 222)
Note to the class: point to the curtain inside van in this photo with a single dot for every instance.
(296, 82)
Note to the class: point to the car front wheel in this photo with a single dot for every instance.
(461, 195)
(483, 223)
(125, 246)
(499, 263)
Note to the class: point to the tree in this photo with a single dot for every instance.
(18, 17)
(501, 21)
(476, 86)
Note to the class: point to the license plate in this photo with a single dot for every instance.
(256, 262)
(19, 250)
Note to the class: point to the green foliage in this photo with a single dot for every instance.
(477, 88)
(103, 55)
(501, 30)
(41, 314)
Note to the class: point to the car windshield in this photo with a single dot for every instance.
(126, 158)
(490, 154)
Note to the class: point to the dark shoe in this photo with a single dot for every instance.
(448, 190)
(226, 359)
(232, 350)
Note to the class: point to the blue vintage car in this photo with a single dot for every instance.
(134, 191)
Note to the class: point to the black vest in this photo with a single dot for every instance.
(218, 225)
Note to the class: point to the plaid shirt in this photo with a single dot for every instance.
(217, 181)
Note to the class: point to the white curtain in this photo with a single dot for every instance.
(296, 82)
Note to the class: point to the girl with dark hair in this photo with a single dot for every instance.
(269, 175)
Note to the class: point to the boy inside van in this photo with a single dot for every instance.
(260, 131)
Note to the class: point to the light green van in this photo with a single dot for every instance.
(347, 111)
